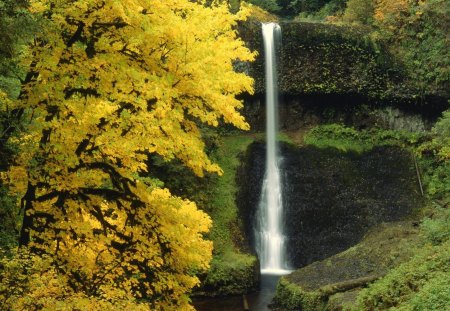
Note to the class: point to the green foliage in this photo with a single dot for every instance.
(418, 36)
(420, 284)
(436, 177)
(223, 206)
(10, 220)
(291, 297)
(359, 11)
(332, 8)
(441, 137)
(231, 273)
(349, 139)
(414, 33)
(434, 154)
(308, 7)
(437, 229)
(268, 5)
(17, 26)
(433, 296)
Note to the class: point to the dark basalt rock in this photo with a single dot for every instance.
(332, 198)
(303, 112)
(341, 60)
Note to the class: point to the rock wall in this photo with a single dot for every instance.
(319, 59)
(332, 198)
(303, 112)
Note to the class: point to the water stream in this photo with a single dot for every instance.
(269, 237)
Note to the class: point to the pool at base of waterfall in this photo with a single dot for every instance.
(259, 301)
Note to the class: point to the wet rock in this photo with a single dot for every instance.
(331, 199)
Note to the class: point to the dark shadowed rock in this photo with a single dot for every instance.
(332, 198)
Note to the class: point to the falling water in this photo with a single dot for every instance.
(270, 240)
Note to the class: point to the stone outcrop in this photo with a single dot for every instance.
(318, 59)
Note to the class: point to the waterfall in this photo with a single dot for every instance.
(269, 238)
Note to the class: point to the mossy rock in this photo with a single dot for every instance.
(344, 60)
(333, 283)
(231, 274)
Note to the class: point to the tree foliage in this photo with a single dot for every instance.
(434, 154)
(308, 7)
(415, 33)
(359, 11)
(268, 5)
(110, 83)
(17, 26)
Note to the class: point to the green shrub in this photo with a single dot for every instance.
(437, 229)
(348, 139)
(420, 284)
(268, 5)
(292, 297)
(434, 156)
(332, 8)
(359, 11)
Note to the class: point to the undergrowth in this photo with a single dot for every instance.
(231, 268)
(348, 139)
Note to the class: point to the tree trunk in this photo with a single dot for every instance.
(27, 205)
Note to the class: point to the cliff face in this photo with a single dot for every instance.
(320, 59)
(331, 198)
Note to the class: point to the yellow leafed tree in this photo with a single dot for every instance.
(390, 9)
(112, 82)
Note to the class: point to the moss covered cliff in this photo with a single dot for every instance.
(319, 58)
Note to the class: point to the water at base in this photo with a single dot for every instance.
(258, 301)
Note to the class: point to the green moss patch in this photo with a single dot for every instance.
(233, 270)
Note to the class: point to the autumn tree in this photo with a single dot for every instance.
(417, 35)
(113, 82)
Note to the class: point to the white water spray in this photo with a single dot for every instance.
(270, 241)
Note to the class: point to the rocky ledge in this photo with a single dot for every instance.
(334, 283)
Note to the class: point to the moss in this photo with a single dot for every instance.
(349, 139)
(223, 197)
(422, 282)
(293, 297)
(233, 270)
(384, 247)
(343, 301)
(419, 284)
(231, 274)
